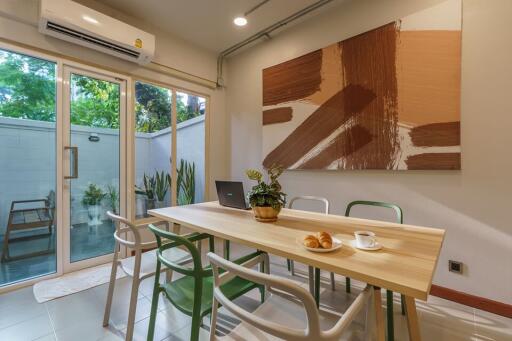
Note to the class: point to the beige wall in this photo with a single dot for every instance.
(473, 205)
(18, 21)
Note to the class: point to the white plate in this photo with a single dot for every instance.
(376, 247)
(336, 244)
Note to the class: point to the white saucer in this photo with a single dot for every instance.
(376, 247)
(336, 244)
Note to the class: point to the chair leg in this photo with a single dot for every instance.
(133, 297)
(292, 267)
(111, 285)
(390, 318)
(317, 287)
(333, 282)
(196, 326)
(226, 249)
(347, 285)
(289, 265)
(213, 319)
(311, 276)
(154, 304)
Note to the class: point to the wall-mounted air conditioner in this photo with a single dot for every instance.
(81, 25)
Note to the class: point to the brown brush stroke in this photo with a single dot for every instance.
(292, 80)
(277, 115)
(437, 161)
(319, 125)
(429, 76)
(369, 60)
(436, 135)
(344, 144)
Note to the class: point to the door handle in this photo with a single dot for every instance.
(74, 154)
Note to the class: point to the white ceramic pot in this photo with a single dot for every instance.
(94, 213)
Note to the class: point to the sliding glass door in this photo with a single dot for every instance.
(94, 110)
(28, 116)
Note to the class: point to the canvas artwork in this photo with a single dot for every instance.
(386, 99)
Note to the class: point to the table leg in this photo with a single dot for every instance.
(412, 319)
(379, 316)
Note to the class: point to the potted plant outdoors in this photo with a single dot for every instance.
(93, 196)
(162, 185)
(113, 198)
(155, 189)
(266, 199)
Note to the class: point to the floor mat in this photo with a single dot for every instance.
(73, 282)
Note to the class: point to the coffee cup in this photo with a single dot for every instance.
(365, 238)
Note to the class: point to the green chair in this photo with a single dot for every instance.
(193, 293)
(389, 294)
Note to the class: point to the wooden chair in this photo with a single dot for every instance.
(291, 264)
(272, 320)
(139, 267)
(193, 293)
(39, 214)
(389, 294)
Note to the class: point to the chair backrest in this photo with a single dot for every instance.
(177, 241)
(123, 226)
(398, 211)
(312, 330)
(311, 198)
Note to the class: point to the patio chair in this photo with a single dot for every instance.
(28, 215)
(140, 266)
(192, 294)
(293, 316)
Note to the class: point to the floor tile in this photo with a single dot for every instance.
(71, 310)
(28, 330)
(490, 326)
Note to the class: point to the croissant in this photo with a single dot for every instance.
(311, 241)
(325, 239)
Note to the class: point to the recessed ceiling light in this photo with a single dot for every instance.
(240, 21)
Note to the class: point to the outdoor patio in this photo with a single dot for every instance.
(29, 146)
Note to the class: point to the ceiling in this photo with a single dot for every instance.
(209, 23)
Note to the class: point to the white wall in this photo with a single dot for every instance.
(473, 204)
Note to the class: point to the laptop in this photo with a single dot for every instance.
(231, 194)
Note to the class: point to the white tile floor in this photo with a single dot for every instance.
(79, 317)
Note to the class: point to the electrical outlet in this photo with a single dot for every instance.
(454, 266)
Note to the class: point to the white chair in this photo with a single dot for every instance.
(278, 317)
(311, 270)
(139, 267)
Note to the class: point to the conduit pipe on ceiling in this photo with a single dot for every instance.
(265, 33)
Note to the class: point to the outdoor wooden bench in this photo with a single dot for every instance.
(33, 217)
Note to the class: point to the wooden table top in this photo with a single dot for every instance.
(405, 264)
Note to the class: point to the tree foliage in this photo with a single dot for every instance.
(28, 91)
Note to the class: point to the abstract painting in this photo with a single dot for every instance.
(388, 98)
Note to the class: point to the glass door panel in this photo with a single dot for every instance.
(190, 148)
(95, 115)
(28, 167)
(153, 142)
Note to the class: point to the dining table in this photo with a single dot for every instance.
(405, 264)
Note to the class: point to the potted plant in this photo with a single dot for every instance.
(266, 199)
(154, 188)
(113, 198)
(93, 196)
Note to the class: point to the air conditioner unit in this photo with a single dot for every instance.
(70, 21)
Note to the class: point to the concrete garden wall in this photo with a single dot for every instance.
(27, 160)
